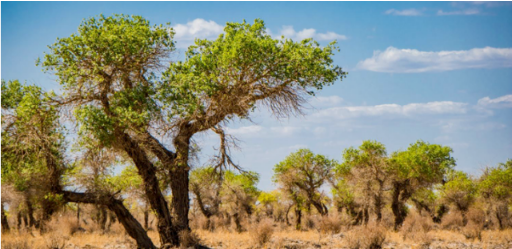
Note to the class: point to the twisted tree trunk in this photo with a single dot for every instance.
(131, 225)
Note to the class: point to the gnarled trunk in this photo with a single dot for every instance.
(131, 225)
(168, 233)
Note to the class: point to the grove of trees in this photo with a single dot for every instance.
(124, 103)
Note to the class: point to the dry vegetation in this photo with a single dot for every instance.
(330, 231)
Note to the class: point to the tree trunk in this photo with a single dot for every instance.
(78, 215)
(103, 218)
(168, 233)
(146, 219)
(441, 211)
(18, 217)
(180, 181)
(322, 210)
(30, 213)
(5, 223)
(131, 225)
(399, 197)
(366, 216)
(239, 228)
(502, 215)
(298, 218)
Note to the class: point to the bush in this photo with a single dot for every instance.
(263, 232)
(452, 221)
(473, 230)
(370, 237)
(330, 224)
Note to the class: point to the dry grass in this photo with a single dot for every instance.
(270, 235)
(263, 232)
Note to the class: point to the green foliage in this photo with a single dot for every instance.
(460, 190)
(301, 174)
(422, 162)
(247, 181)
(497, 182)
(267, 198)
(31, 134)
(110, 63)
(245, 60)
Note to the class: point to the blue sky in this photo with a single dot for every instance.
(437, 71)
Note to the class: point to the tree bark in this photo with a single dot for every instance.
(146, 219)
(180, 181)
(30, 213)
(399, 197)
(131, 225)
(5, 223)
(298, 218)
(502, 215)
(168, 232)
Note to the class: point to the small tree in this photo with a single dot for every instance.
(206, 186)
(460, 190)
(239, 194)
(421, 166)
(365, 169)
(300, 175)
(496, 188)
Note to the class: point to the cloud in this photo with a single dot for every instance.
(500, 102)
(394, 110)
(394, 60)
(245, 130)
(289, 32)
(198, 28)
(466, 12)
(406, 12)
(491, 4)
(285, 130)
(326, 101)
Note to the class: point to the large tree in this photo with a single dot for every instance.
(422, 165)
(110, 71)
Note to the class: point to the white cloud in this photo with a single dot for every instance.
(198, 28)
(394, 60)
(285, 130)
(500, 102)
(245, 130)
(289, 32)
(394, 110)
(326, 101)
(406, 12)
(465, 12)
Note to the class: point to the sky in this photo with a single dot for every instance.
(436, 71)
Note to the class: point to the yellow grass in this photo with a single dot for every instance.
(288, 238)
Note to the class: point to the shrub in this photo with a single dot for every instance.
(370, 237)
(473, 230)
(263, 232)
(330, 224)
(452, 221)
